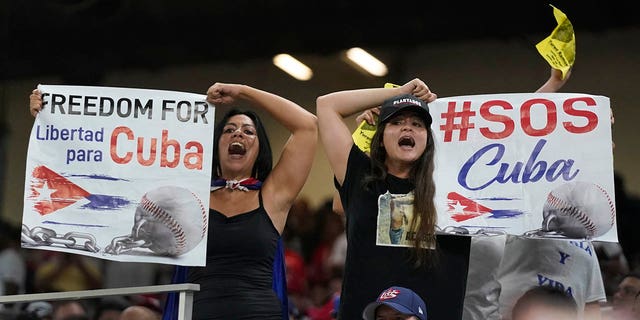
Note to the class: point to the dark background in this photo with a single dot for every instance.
(81, 39)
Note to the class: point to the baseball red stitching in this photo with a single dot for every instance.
(612, 205)
(166, 219)
(568, 209)
(205, 221)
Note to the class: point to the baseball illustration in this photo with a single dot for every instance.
(579, 210)
(171, 220)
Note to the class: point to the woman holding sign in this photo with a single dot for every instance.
(249, 202)
(400, 166)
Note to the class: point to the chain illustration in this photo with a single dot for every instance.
(39, 236)
(125, 243)
(466, 231)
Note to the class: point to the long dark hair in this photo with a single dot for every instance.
(264, 161)
(421, 175)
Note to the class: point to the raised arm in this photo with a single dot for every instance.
(332, 108)
(292, 169)
(555, 81)
(554, 84)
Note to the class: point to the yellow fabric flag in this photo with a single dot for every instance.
(364, 132)
(559, 48)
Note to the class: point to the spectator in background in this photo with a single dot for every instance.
(338, 253)
(67, 272)
(70, 310)
(323, 283)
(625, 304)
(297, 288)
(619, 258)
(110, 308)
(300, 233)
(613, 264)
(545, 303)
(315, 285)
(37, 310)
(396, 303)
(636, 306)
(151, 301)
(140, 307)
(140, 313)
(118, 274)
(13, 266)
(570, 265)
(329, 226)
(628, 220)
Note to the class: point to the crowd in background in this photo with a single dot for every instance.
(315, 248)
(40, 271)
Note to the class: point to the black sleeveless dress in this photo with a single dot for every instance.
(236, 283)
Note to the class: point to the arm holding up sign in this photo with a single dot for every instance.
(333, 107)
(553, 84)
(399, 167)
(35, 102)
(249, 201)
(555, 81)
(580, 275)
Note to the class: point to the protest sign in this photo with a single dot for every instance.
(537, 164)
(532, 164)
(120, 174)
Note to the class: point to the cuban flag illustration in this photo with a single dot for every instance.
(93, 154)
(462, 208)
(51, 191)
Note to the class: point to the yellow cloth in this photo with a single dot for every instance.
(559, 48)
(364, 132)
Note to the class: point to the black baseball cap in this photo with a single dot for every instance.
(403, 102)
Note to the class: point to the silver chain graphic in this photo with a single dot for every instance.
(39, 236)
(125, 243)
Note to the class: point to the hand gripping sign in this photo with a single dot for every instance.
(120, 174)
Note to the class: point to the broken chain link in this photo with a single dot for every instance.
(125, 243)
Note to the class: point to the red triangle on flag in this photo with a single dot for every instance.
(464, 208)
(52, 191)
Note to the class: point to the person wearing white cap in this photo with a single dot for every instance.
(396, 303)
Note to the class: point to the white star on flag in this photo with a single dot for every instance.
(44, 193)
(458, 208)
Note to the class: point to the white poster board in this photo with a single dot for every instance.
(538, 164)
(120, 174)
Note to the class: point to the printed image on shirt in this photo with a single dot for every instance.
(395, 212)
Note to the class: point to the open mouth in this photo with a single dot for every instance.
(406, 142)
(237, 148)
